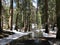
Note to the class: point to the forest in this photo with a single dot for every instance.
(30, 15)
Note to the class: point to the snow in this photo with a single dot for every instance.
(12, 37)
(20, 34)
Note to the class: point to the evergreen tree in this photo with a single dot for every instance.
(11, 13)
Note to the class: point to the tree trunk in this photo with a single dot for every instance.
(29, 13)
(16, 26)
(2, 22)
(29, 23)
(46, 16)
(11, 13)
(0, 15)
(58, 18)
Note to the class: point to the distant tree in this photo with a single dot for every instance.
(52, 11)
(39, 15)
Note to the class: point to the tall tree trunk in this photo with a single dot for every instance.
(29, 13)
(58, 18)
(46, 16)
(16, 27)
(11, 13)
(0, 15)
